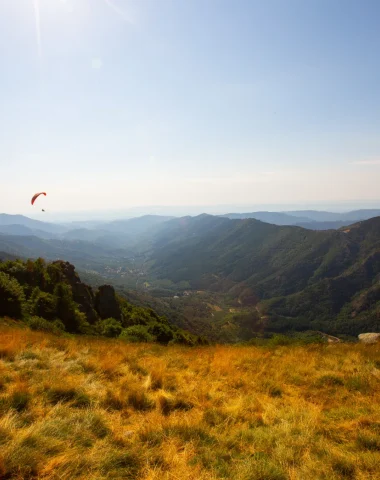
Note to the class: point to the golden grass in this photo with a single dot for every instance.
(82, 408)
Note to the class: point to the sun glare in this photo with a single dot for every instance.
(38, 27)
(118, 11)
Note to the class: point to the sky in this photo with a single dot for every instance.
(117, 104)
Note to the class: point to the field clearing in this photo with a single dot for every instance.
(88, 408)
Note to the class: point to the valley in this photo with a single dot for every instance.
(230, 278)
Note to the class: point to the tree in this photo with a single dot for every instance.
(65, 307)
(42, 304)
(12, 297)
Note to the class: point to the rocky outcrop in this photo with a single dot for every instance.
(103, 304)
(330, 338)
(82, 293)
(369, 338)
(106, 304)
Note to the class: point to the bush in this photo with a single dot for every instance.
(110, 327)
(162, 332)
(12, 297)
(38, 323)
(183, 339)
(137, 333)
(280, 340)
(42, 304)
(82, 324)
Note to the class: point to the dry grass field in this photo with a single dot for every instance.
(91, 409)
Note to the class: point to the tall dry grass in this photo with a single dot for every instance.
(81, 408)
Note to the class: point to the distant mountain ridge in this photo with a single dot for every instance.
(311, 219)
(277, 218)
(6, 219)
(352, 216)
(75, 251)
(22, 230)
(115, 234)
(121, 233)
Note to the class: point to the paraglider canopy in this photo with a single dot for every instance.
(36, 195)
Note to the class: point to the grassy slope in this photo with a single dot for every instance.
(91, 409)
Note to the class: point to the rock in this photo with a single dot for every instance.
(106, 304)
(333, 340)
(329, 338)
(82, 293)
(369, 338)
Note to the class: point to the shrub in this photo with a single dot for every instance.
(110, 327)
(82, 324)
(137, 333)
(40, 324)
(280, 340)
(161, 331)
(183, 338)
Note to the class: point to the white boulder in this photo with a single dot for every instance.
(369, 337)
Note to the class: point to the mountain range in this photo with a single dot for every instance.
(130, 227)
(232, 270)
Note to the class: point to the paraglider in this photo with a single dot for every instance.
(36, 195)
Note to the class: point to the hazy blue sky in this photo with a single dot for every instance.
(119, 103)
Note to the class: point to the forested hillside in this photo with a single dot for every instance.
(51, 297)
(297, 278)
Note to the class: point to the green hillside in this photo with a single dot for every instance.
(297, 278)
(51, 297)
